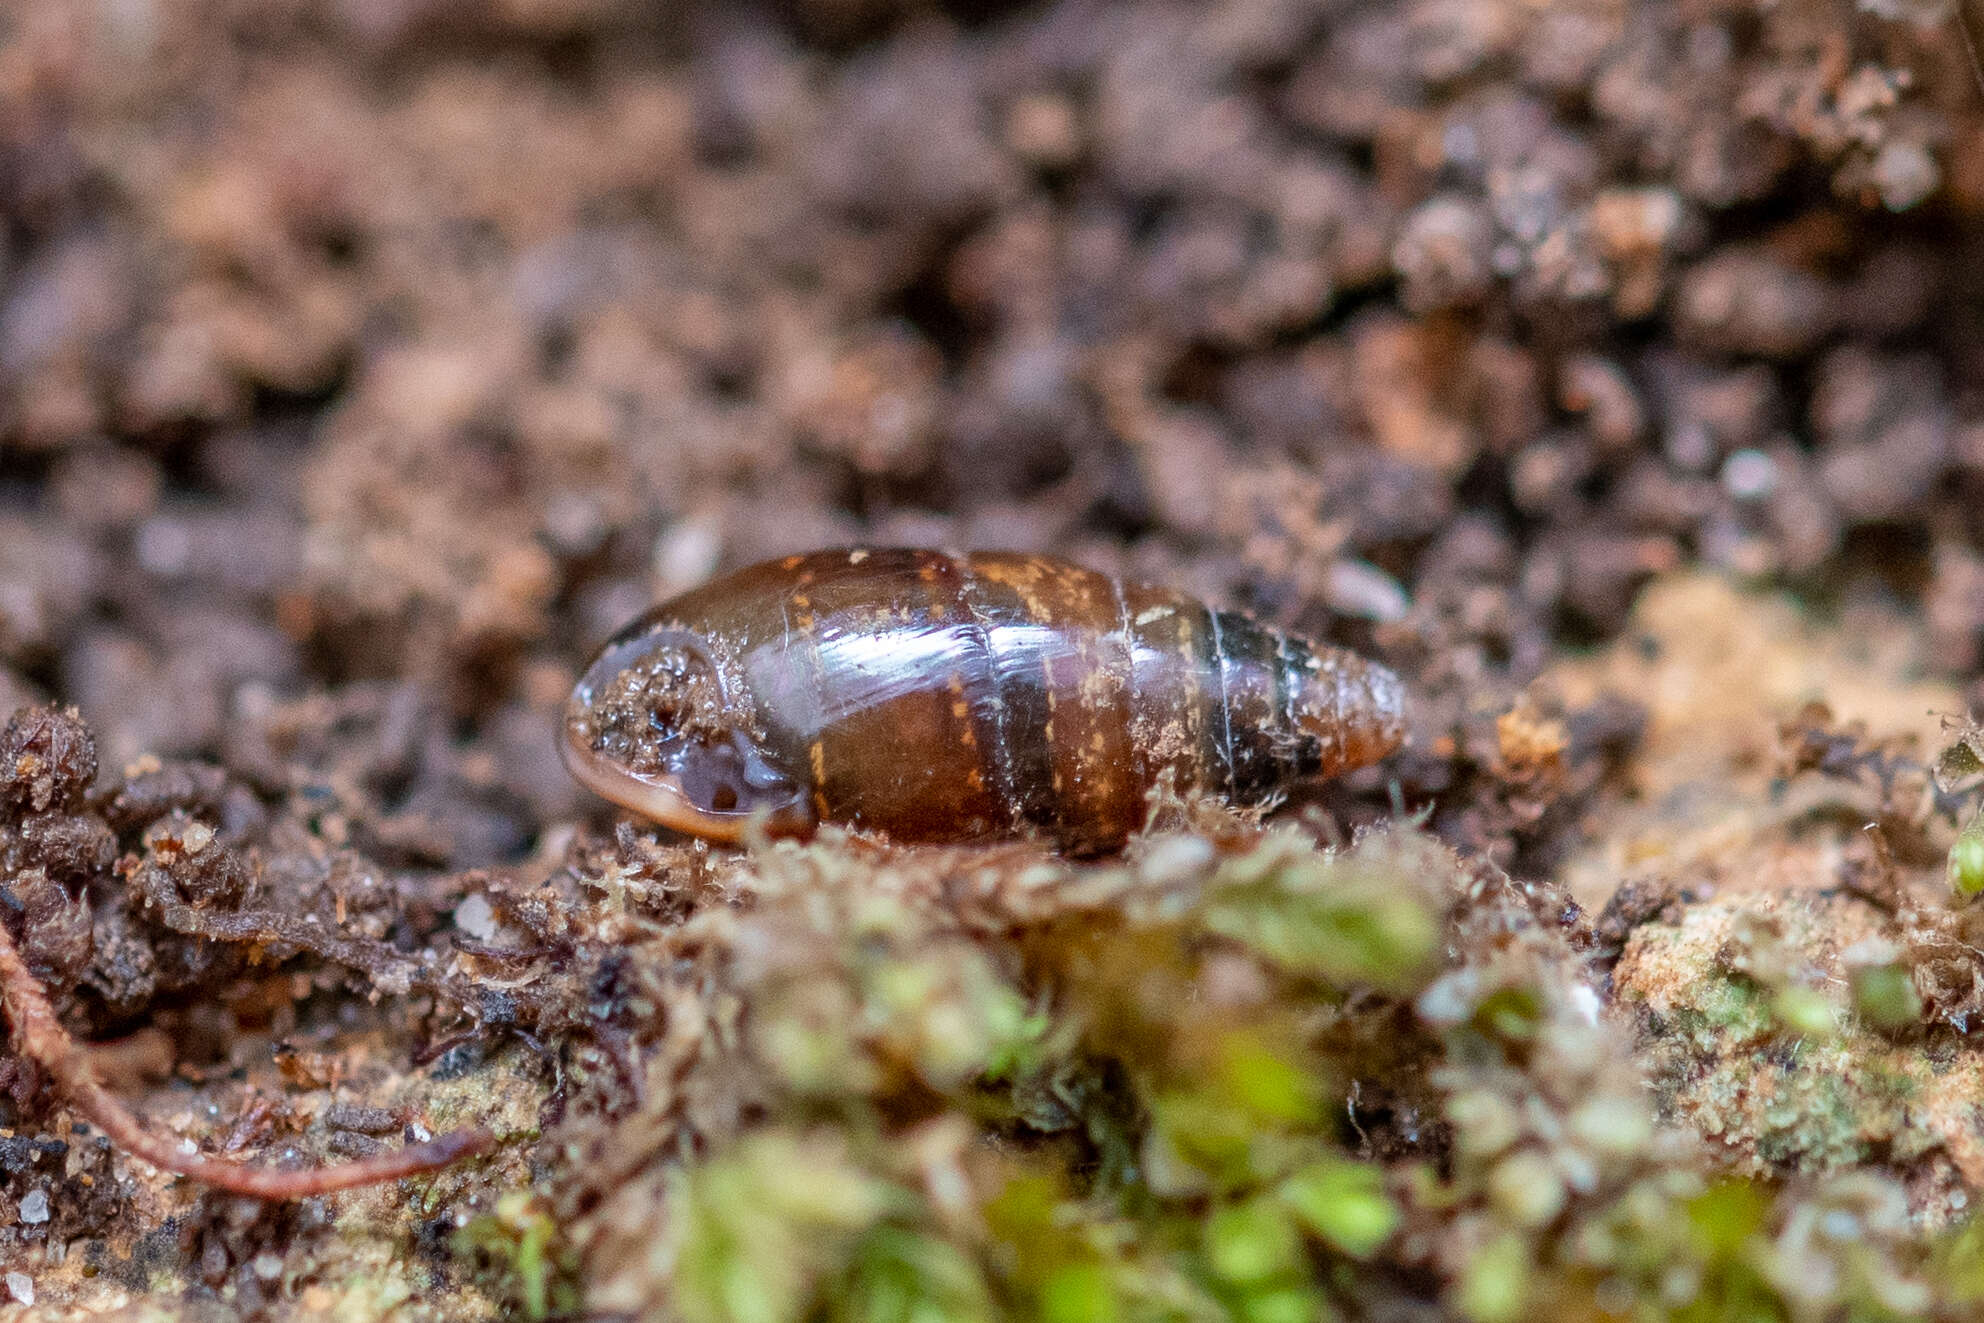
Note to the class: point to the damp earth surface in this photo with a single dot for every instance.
(1611, 372)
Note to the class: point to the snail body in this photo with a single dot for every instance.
(935, 697)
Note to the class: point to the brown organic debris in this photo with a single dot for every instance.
(41, 1038)
(196, 886)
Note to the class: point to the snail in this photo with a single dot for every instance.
(948, 698)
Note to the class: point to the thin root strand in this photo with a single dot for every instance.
(41, 1038)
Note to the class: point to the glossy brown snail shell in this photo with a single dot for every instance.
(936, 697)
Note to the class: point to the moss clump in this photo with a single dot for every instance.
(1258, 1080)
(1118, 1094)
(1239, 1074)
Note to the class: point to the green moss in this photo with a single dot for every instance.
(1966, 861)
(1957, 1263)
(1494, 1287)
(1884, 996)
(1727, 1011)
(1813, 1121)
(1076, 1292)
(900, 1276)
(524, 1255)
(1344, 918)
(1252, 1243)
(1149, 1104)
(758, 1229)
(1804, 1011)
(1268, 1086)
(1342, 1203)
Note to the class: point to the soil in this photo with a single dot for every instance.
(1614, 372)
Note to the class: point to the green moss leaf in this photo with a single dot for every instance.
(1724, 1217)
(1252, 1242)
(1343, 1203)
(1495, 1285)
(900, 1276)
(1885, 997)
(1351, 918)
(1079, 1293)
(1966, 863)
(759, 1228)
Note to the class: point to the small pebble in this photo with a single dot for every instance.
(1749, 475)
(358, 1117)
(1905, 173)
(164, 546)
(1359, 588)
(476, 917)
(686, 555)
(34, 1207)
(21, 1287)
